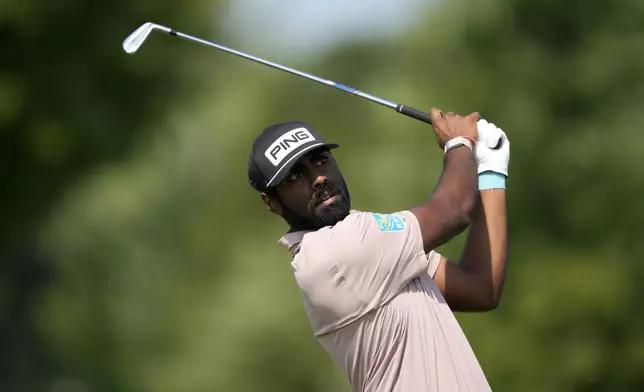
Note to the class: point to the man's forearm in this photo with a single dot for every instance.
(458, 182)
(454, 196)
(485, 254)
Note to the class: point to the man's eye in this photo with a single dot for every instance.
(294, 176)
(321, 161)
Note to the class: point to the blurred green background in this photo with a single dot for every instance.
(134, 256)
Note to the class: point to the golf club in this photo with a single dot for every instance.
(134, 41)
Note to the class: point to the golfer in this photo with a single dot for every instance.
(378, 296)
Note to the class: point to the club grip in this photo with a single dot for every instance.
(414, 113)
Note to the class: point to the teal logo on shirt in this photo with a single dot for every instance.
(388, 223)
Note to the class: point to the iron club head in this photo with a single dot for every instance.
(134, 41)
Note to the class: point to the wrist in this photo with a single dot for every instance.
(491, 166)
(458, 142)
(472, 140)
(491, 180)
(460, 152)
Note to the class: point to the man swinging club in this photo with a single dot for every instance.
(379, 298)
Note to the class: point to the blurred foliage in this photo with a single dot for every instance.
(70, 102)
(136, 257)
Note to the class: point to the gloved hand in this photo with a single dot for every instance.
(492, 151)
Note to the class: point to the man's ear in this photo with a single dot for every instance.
(272, 203)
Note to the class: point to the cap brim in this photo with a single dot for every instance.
(284, 170)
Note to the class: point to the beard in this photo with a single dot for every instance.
(336, 210)
(321, 214)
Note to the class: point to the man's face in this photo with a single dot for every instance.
(313, 194)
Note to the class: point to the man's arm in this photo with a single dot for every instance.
(476, 282)
(447, 212)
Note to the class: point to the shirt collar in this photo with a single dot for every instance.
(293, 239)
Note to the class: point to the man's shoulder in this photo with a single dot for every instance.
(333, 232)
(354, 228)
(377, 221)
(329, 239)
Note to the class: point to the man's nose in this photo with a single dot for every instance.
(319, 180)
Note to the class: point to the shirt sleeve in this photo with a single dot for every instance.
(378, 254)
(434, 261)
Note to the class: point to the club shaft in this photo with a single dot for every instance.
(134, 41)
(331, 83)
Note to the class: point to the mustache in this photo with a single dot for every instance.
(328, 189)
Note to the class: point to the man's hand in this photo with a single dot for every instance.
(492, 151)
(448, 126)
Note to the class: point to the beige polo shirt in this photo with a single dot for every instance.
(368, 291)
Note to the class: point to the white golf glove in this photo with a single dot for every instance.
(489, 155)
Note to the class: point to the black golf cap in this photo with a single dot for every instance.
(277, 149)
